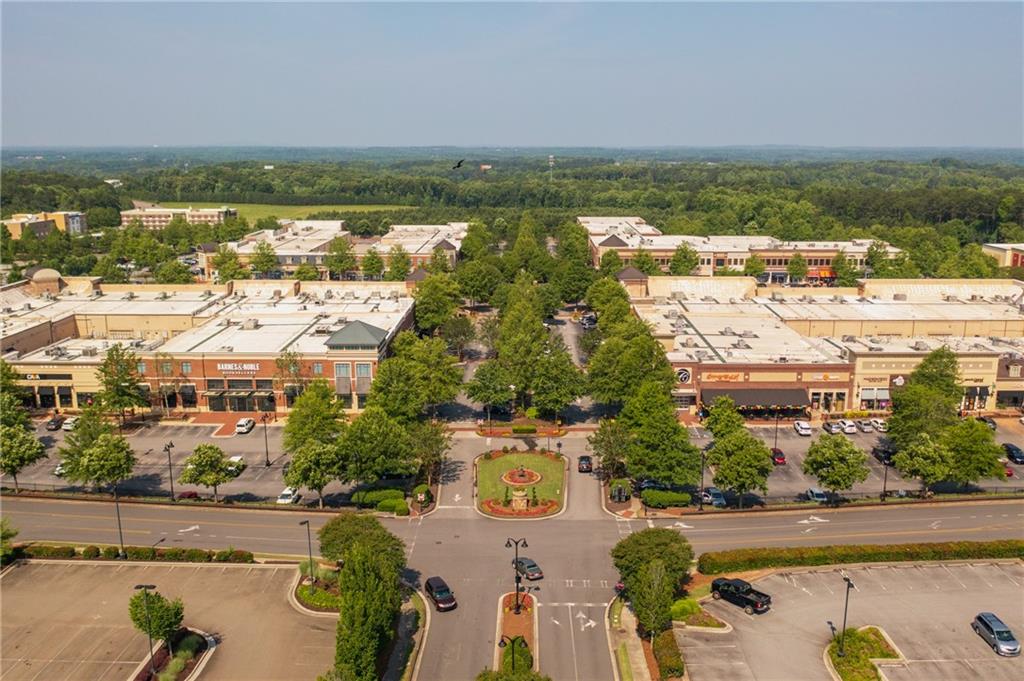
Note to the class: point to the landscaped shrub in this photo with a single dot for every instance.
(173, 668)
(401, 508)
(684, 607)
(656, 498)
(715, 562)
(425, 491)
(222, 556)
(317, 598)
(524, 429)
(666, 652)
(197, 555)
(624, 483)
(488, 455)
(175, 554)
(43, 551)
(532, 412)
(369, 498)
(140, 552)
(388, 505)
(524, 658)
(109, 552)
(91, 552)
(240, 556)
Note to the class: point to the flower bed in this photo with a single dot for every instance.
(189, 647)
(495, 507)
(494, 495)
(520, 478)
(860, 648)
(508, 603)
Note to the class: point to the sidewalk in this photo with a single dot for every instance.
(626, 633)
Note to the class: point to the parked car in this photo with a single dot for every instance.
(714, 496)
(995, 633)
(528, 568)
(236, 464)
(987, 420)
(880, 425)
(585, 464)
(288, 496)
(865, 426)
(188, 495)
(59, 470)
(778, 456)
(642, 485)
(849, 427)
(740, 592)
(70, 423)
(883, 453)
(438, 591)
(802, 428)
(832, 427)
(816, 495)
(1014, 453)
(55, 423)
(244, 426)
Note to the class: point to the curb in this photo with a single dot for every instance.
(418, 651)
(535, 650)
(565, 495)
(298, 606)
(682, 626)
(877, 662)
(608, 640)
(211, 646)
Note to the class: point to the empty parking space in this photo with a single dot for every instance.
(927, 610)
(70, 621)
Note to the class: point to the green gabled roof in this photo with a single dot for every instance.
(356, 334)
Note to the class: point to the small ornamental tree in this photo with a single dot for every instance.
(156, 616)
(723, 419)
(107, 461)
(339, 259)
(306, 272)
(684, 261)
(314, 466)
(374, 445)
(611, 264)
(743, 463)
(976, 453)
(207, 466)
(491, 386)
(925, 459)
(263, 260)
(650, 592)
(399, 264)
(317, 416)
(373, 265)
(797, 267)
(228, 266)
(754, 266)
(637, 550)
(836, 463)
(611, 444)
(18, 448)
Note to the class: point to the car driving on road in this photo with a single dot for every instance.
(438, 591)
(585, 464)
(742, 594)
(528, 568)
(995, 633)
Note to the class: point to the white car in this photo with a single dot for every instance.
(70, 423)
(236, 464)
(880, 425)
(802, 428)
(288, 496)
(59, 470)
(849, 427)
(244, 426)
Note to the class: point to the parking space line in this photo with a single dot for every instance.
(1003, 572)
(962, 585)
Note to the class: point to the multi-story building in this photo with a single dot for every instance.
(1007, 255)
(72, 222)
(629, 236)
(158, 217)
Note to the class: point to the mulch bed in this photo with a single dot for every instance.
(513, 625)
(495, 507)
(498, 453)
(162, 657)
(652, 663)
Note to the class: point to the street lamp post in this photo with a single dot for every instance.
(513, 642)
(170, 469)
(266, 443)
(145, 604)
(309, 543)
(776, 445)
(846, 607)
(120, 533)
(700, 499)
(885, 479)
(509, 543)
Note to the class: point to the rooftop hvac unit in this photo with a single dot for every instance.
(748, 334)
(342, 320)
(328, 294)
(741, 345)
(701, 354)
(660, 301)
(26, 306)
(322, 331)
(837, 299)
(708, 299)
(393, 295)
(250, 324)
(128, 296)
(875, 348)
(207, 293)
(162, 295)
(226, 348)
(374, 294)
(672, 313)
(783, 360)
(276, 295)
(678, 295)
(95, 294)
(7, 310)
(90, 352)
(849, 339)
(689, 343)
(921, 345)
(727, 331)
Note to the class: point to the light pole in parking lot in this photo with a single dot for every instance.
(170, 470)
(700, 499)
(266, 443)
(145, 604)
(842, 634)
(776, 445)
(509, 543)
(309, 543)
(885, 479)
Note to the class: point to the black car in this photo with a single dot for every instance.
(55, 423)
(742, 594)
(438, 591)
(883, 454)
(585, 464)
(528, 568)
(987, 420)
(1014, 453)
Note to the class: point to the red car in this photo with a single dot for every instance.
(778, 456)
(188, 495)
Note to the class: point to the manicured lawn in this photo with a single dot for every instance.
(255, 211)
(552, 471)
(625, 668)
(860, 647)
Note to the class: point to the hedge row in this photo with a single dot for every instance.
(524, 430)
(716, 562)
(177, 555)
(396, 506)
(370, 498)
(666, 652)
(656, 498)
(524, 658)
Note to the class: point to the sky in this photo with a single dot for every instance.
(482, 74)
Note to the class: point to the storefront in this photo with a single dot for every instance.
(761, 402)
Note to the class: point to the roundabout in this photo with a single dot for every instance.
(514, 484)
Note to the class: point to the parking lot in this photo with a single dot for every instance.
(70, 621)
(926, 609)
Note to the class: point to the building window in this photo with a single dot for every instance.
(318, 369)
(141, 368)
(215, 384)
(362, 370)
(342, 369)
(1015, 370)
(186, 368)
(166, 368)
(239, 384)
(264, 384)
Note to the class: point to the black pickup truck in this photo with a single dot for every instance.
(742, 594)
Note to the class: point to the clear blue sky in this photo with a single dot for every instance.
(486, 74)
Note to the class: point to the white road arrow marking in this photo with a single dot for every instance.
(580, 616)
(589, 623)
(189, 529)
(682, 525)
(935, 525)
(812, 519)
(809, 530)
(556, 622)
(458, 498)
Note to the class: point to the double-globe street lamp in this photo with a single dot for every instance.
(510, 543)
(846, 607)
(309, 543)
(512, 642)
(170, 469)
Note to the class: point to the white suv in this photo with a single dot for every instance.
(244, 426)
(288, 496)
(802, 428)
(847, 426)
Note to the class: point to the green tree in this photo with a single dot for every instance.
(975, 453)
(521, 342)
(633, 553)
(399, 264)
(207, 466)
(156, 616)
(754, 266)
(344, 530)
(317, 416)
(339, 259)
(431, 441)
(650, 593)
(437, 298)
(107, 461)
(557, 382)
(306, 272)
(940, 371)
(611, 444)
(173, 272)
(742, 463)
(571, 279)
(925, 459)
(458, 332)
(227, 265)
(611, 264)
(797, 267)
(478, 279)
(619, 367)
(439, 263)
(723, 419)
(7, 534)
(836, 463)
(644, 262)
(12, 414)
(526, 253)
(846, 272)
(263, 260)
(373, 265)
(487, 333)
(119, 379)
(370, 600)
(314, 466)
(573, 243)
(440, 374)
(661, 449)
(18, 448)
(107, 268)
(603, 293)
(684, 261)
(288, 370)
(376, 445)
(491, 386)
(87, 431)
(478, 241)
(398, 389)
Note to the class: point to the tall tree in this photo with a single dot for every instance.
(754, 266)
(661, 449)
(107, 461)
(370, 600)
(975, 451)
(439, 262)
(306, 272)
(488, 331)
(437, 298)
(650, 593)
(399, 264)
(227, 265)
(846, 272)
(611, 264)
(156, 616)
(376, 445)
(373, 265)
(119, 377)
(89, 428)
(723, 419)
(478, 241)
(836, 463)
(478, 280)
(491, 386)
(441, 375)
(431, 441)
(316, 417)
(340, 260)
(11, 412)
(619, 367)
(797, 267)
(743, 463)
(263, 260)
(314, 466)
(572, 279)
(925, 459)
(207, 466)
(398, 389)
(603, 292)
(684, 261)
(557, 382)
(173, 272)
(458, 332)
(18, 448)
(521, 342)
(939, 370)
(611, 444)
(644, 262)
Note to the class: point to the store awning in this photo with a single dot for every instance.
(238, 393)
(262, 393)
(213, 393)
(1010, 394)
(883, 394)
(869, 393)
(976, 391)
(762, 398)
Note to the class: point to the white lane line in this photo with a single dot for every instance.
(962, 585)
(572, 639)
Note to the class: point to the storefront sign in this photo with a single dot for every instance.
(875, 379)
(231, 366)
(828, 377)
(683, 375)
(897, 381)
(722, 377)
